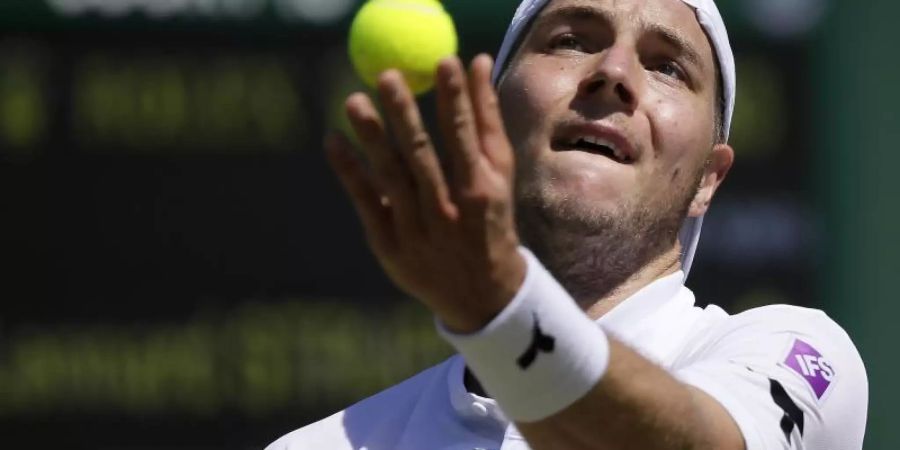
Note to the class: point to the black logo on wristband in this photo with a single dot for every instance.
(540, 342)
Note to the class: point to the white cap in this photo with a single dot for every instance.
(711, 20)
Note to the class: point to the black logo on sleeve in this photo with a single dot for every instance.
(793, 415)
(540, 342)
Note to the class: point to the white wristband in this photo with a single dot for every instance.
(540, 354)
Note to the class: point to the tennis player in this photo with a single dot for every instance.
(554, 247)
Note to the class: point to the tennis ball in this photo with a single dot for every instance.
(409, 35)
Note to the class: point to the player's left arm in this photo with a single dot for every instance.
(637, 404)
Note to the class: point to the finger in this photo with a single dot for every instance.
(390, 172)
(492, 134)
(361, 187)
(416, 147)
(457, 122)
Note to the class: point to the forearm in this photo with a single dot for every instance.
(636, 405)
(568, 385)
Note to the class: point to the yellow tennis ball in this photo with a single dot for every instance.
(409, 35)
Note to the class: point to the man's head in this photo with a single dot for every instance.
(615, 110)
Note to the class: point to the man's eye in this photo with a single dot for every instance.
(670, 69)
(567, 41)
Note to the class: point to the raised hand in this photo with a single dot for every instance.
(447, 239)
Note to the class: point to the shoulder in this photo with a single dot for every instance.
(789, 318)
(378, 418)
(775, 323)
(786, 374)
(780, 341)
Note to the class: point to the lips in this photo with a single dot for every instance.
(595, 138)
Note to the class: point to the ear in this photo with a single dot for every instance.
(716, 167)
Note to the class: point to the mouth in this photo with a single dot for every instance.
(597, 140)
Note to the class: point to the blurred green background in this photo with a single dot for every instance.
(180, 269)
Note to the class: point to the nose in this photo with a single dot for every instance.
(612, 78)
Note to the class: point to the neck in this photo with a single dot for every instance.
(661, 266)
(602, 262)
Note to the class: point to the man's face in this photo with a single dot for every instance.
(610, 105)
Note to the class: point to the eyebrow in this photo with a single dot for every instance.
(673, 39)
(588, 13)
(574, 12)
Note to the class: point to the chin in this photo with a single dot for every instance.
(591, 175)
(568, 207)
(593, 193)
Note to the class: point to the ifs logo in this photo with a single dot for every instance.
(812, 366)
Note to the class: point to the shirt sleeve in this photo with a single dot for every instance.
(790, 377)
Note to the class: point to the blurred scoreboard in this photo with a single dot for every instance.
(156, 100)
(139, 89)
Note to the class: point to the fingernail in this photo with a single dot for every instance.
(389, 86)
(390, 77)
(451, 60)
(488, 60)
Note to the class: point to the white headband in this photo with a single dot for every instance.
(709, 18)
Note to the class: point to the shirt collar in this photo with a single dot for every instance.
(649, 321)
(643, 303)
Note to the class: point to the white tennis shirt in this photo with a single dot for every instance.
(790, 377)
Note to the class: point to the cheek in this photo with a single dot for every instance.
(530, 96)
(681, 133)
